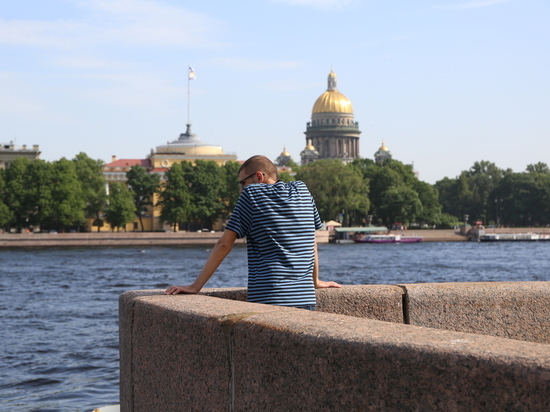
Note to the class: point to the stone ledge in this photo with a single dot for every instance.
(199, 352)
(513, 310)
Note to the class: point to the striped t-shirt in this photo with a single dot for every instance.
(279, 221)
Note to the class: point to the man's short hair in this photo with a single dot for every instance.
(262, 164)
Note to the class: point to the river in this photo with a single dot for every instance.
(59, 306)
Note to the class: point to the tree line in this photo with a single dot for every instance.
(62, 195)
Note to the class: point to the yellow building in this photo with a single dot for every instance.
(188, 147)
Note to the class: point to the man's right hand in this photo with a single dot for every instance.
(174, 290)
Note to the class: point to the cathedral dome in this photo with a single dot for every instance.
(332, 101)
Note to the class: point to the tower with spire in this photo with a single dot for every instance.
(332, 132)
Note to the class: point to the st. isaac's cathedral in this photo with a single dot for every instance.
(332, 133)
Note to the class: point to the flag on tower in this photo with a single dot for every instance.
(191, 74)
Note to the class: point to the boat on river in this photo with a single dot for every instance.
(513, 237)
(387, 239)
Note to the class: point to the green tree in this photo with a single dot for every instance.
(286, 177)
(430, 212)
(523, 199)
(143, 187)
(66, 196)
(175, 199)
(28, 192)
(90, 175)
(337, 189)
(19, 197)
(6, 215)
(230, 189)
(206, 188)
(121, 209)
(472, 192)
(293, 165)
(400, 204)
(539, 167)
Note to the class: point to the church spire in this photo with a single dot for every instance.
(331, 81)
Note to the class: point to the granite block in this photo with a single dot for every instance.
(513, 310)
(179, 355)
(295, 360)
(227, 293)
(381, 302)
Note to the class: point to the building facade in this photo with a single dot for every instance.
(332, 133)
(9, 152)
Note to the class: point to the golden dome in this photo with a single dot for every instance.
(310, 147)
(285, 153)
(383, 148)
(332, 101)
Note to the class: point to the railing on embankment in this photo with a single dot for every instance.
(424, 347)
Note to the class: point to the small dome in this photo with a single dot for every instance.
(189, 144)
(332, 101)
(383, 148)
(285, 153)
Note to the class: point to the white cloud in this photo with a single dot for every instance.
(245, 64)
(85, 63)
(472, 4)
(123, 22)
(321, 4)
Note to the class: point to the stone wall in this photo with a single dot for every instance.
(216, 352)
(120, 239)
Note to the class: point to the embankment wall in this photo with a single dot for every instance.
(89, 239)
(436, 347)
(194, 238)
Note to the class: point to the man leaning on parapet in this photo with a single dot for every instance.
(279, 221)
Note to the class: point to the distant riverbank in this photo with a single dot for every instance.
(8, 240)
(108, 239)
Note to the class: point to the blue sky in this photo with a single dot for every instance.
(443, 83)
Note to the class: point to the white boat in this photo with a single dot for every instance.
(387, 239)
(511, 237)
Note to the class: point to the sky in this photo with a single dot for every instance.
(443, 83)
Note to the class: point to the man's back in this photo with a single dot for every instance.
(279, 221)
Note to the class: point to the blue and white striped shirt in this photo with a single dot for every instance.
(279, 221)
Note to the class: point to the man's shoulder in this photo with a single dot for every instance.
(294, 183)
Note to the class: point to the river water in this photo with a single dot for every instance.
(59, 306)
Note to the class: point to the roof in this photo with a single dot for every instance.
(333, 223)
(129, 163)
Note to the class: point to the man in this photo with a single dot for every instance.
(279, 221)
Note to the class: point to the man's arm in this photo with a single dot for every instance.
(319, 284)
(220, 251)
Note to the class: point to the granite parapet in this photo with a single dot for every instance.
(514, 310)
(216, 352)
